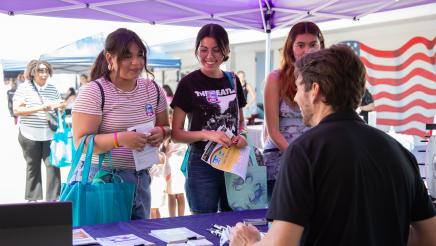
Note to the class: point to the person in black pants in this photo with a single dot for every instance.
(32, 101)
(367, 105)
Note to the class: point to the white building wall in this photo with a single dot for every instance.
(387, 35)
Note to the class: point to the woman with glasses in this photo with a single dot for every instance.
(129, 101)
(282, 115)
(212, 102)
(32, 100)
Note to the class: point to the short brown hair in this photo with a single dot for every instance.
(339, 73)
(33, 65)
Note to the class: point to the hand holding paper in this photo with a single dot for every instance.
(229, 159)
(148, 155)
(133, 140)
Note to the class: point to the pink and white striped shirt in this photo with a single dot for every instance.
(121, 111)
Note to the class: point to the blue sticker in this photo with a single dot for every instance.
(149, 109)
(212, 96)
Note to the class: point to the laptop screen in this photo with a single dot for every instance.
(45, 223)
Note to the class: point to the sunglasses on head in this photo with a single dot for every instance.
(42, 70)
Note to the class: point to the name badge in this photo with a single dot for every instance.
(149, 110)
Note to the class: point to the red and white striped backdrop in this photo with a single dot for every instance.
(403, 84)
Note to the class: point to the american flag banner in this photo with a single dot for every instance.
(403, 84)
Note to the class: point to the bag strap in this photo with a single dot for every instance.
(100, 87)
(253, 157)
(158, 93)
(88, 160)
(101, 158)
(61, 122)
(102, 94)
(232, 79)
(37, 92)
(76, 158)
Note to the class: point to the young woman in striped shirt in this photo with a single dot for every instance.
(129, 100)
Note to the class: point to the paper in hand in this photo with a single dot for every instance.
(149, 155)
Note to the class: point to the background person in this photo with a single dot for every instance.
(83, 80)
(367, 105)
(20, 79)
(175, 153)
(247, 89)
(196, 97)
(168, 92)
(343, 182)
(70, 98)
(32, 100)
(129, 100)
(157, 187)
(282, 115)
(10, 94)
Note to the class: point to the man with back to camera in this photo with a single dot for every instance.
(343, 182)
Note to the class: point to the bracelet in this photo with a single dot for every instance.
(116, 144)
(163, 131)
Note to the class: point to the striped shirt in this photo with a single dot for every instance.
(35, 126)
(121, 110)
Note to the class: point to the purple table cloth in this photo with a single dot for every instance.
(198, 223)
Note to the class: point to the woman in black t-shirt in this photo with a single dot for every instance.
(211, 102)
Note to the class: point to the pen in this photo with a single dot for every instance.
(192, 238)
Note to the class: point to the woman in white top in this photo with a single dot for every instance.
(32, 101)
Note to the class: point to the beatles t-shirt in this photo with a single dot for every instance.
(210, 103)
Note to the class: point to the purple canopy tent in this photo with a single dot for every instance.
(260, 15)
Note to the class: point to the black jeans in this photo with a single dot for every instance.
(34, 152)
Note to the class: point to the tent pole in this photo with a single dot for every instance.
(267, 54)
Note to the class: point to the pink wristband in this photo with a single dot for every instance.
(116, 144)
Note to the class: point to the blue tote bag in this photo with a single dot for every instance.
(62, 147)
(97, 201)
(250, 193)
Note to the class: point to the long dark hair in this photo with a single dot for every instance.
(117, 43)
(218, 33)
(288, 89)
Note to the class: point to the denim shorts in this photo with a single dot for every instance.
(141, 179)
(205, 186)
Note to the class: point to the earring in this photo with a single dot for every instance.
(109, 67)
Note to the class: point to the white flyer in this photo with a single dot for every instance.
(81, 237)
(149, 155)
(123, 240)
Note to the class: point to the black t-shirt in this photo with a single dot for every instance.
(209, 102)
(366, 99)
(348, 183)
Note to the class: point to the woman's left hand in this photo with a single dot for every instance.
(239, 141)
(156, 137)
